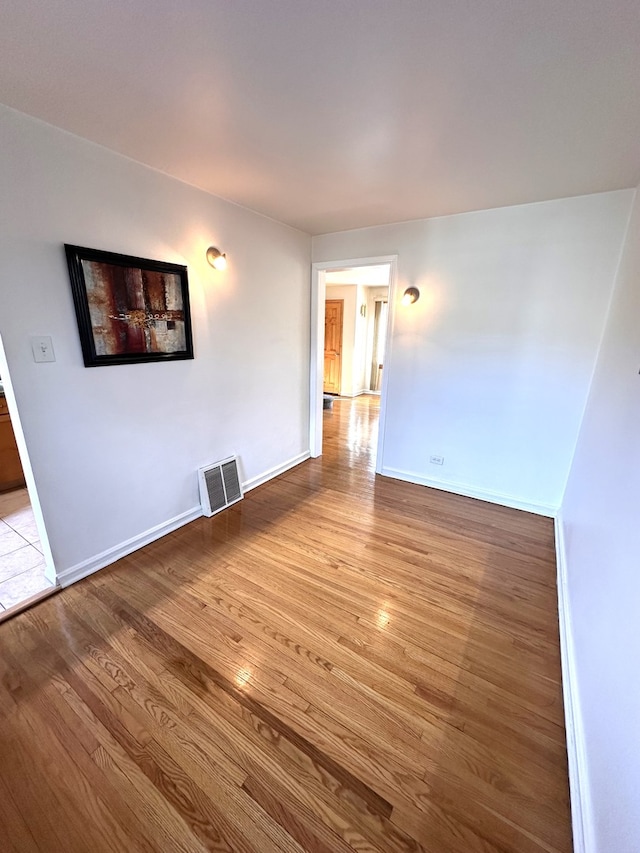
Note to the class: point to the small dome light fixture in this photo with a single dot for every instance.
(411, 295)
(216, 258)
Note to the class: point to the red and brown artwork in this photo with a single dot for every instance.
(136, 311)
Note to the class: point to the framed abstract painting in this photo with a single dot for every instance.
(129, 309)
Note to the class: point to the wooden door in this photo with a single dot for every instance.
(11, 475)
(333, 310)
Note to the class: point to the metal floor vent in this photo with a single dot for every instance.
(219, 485)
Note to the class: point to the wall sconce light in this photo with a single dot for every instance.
(411, 295)
(216, 258)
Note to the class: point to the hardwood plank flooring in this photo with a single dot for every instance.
(340, 662)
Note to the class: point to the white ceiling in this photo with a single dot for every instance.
(336, 114)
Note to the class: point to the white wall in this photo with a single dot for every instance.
(491, 367)
(601, 525)
(114, 449)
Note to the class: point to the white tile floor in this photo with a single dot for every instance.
(21, 561)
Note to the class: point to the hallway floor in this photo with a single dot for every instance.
(22, 563)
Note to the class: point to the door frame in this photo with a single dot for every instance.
(316, 372)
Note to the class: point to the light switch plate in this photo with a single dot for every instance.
(42, 348)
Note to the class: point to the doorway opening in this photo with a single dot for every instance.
(350, 342)
(26, 563)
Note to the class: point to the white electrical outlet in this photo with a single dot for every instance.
(436, 460)
(42, 348)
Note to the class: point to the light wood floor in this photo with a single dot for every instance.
(338, 663)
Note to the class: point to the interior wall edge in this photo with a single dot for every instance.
(607, 316)
(574, 729)
(100, 561)
(259, 479)
(467, 491)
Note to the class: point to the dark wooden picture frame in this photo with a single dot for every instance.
(129, 309)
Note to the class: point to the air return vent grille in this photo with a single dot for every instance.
(219, 485)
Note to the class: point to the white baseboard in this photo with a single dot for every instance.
(100, 561)
(93, 564)
(471, 492)
(583, 841)
(275, 471)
